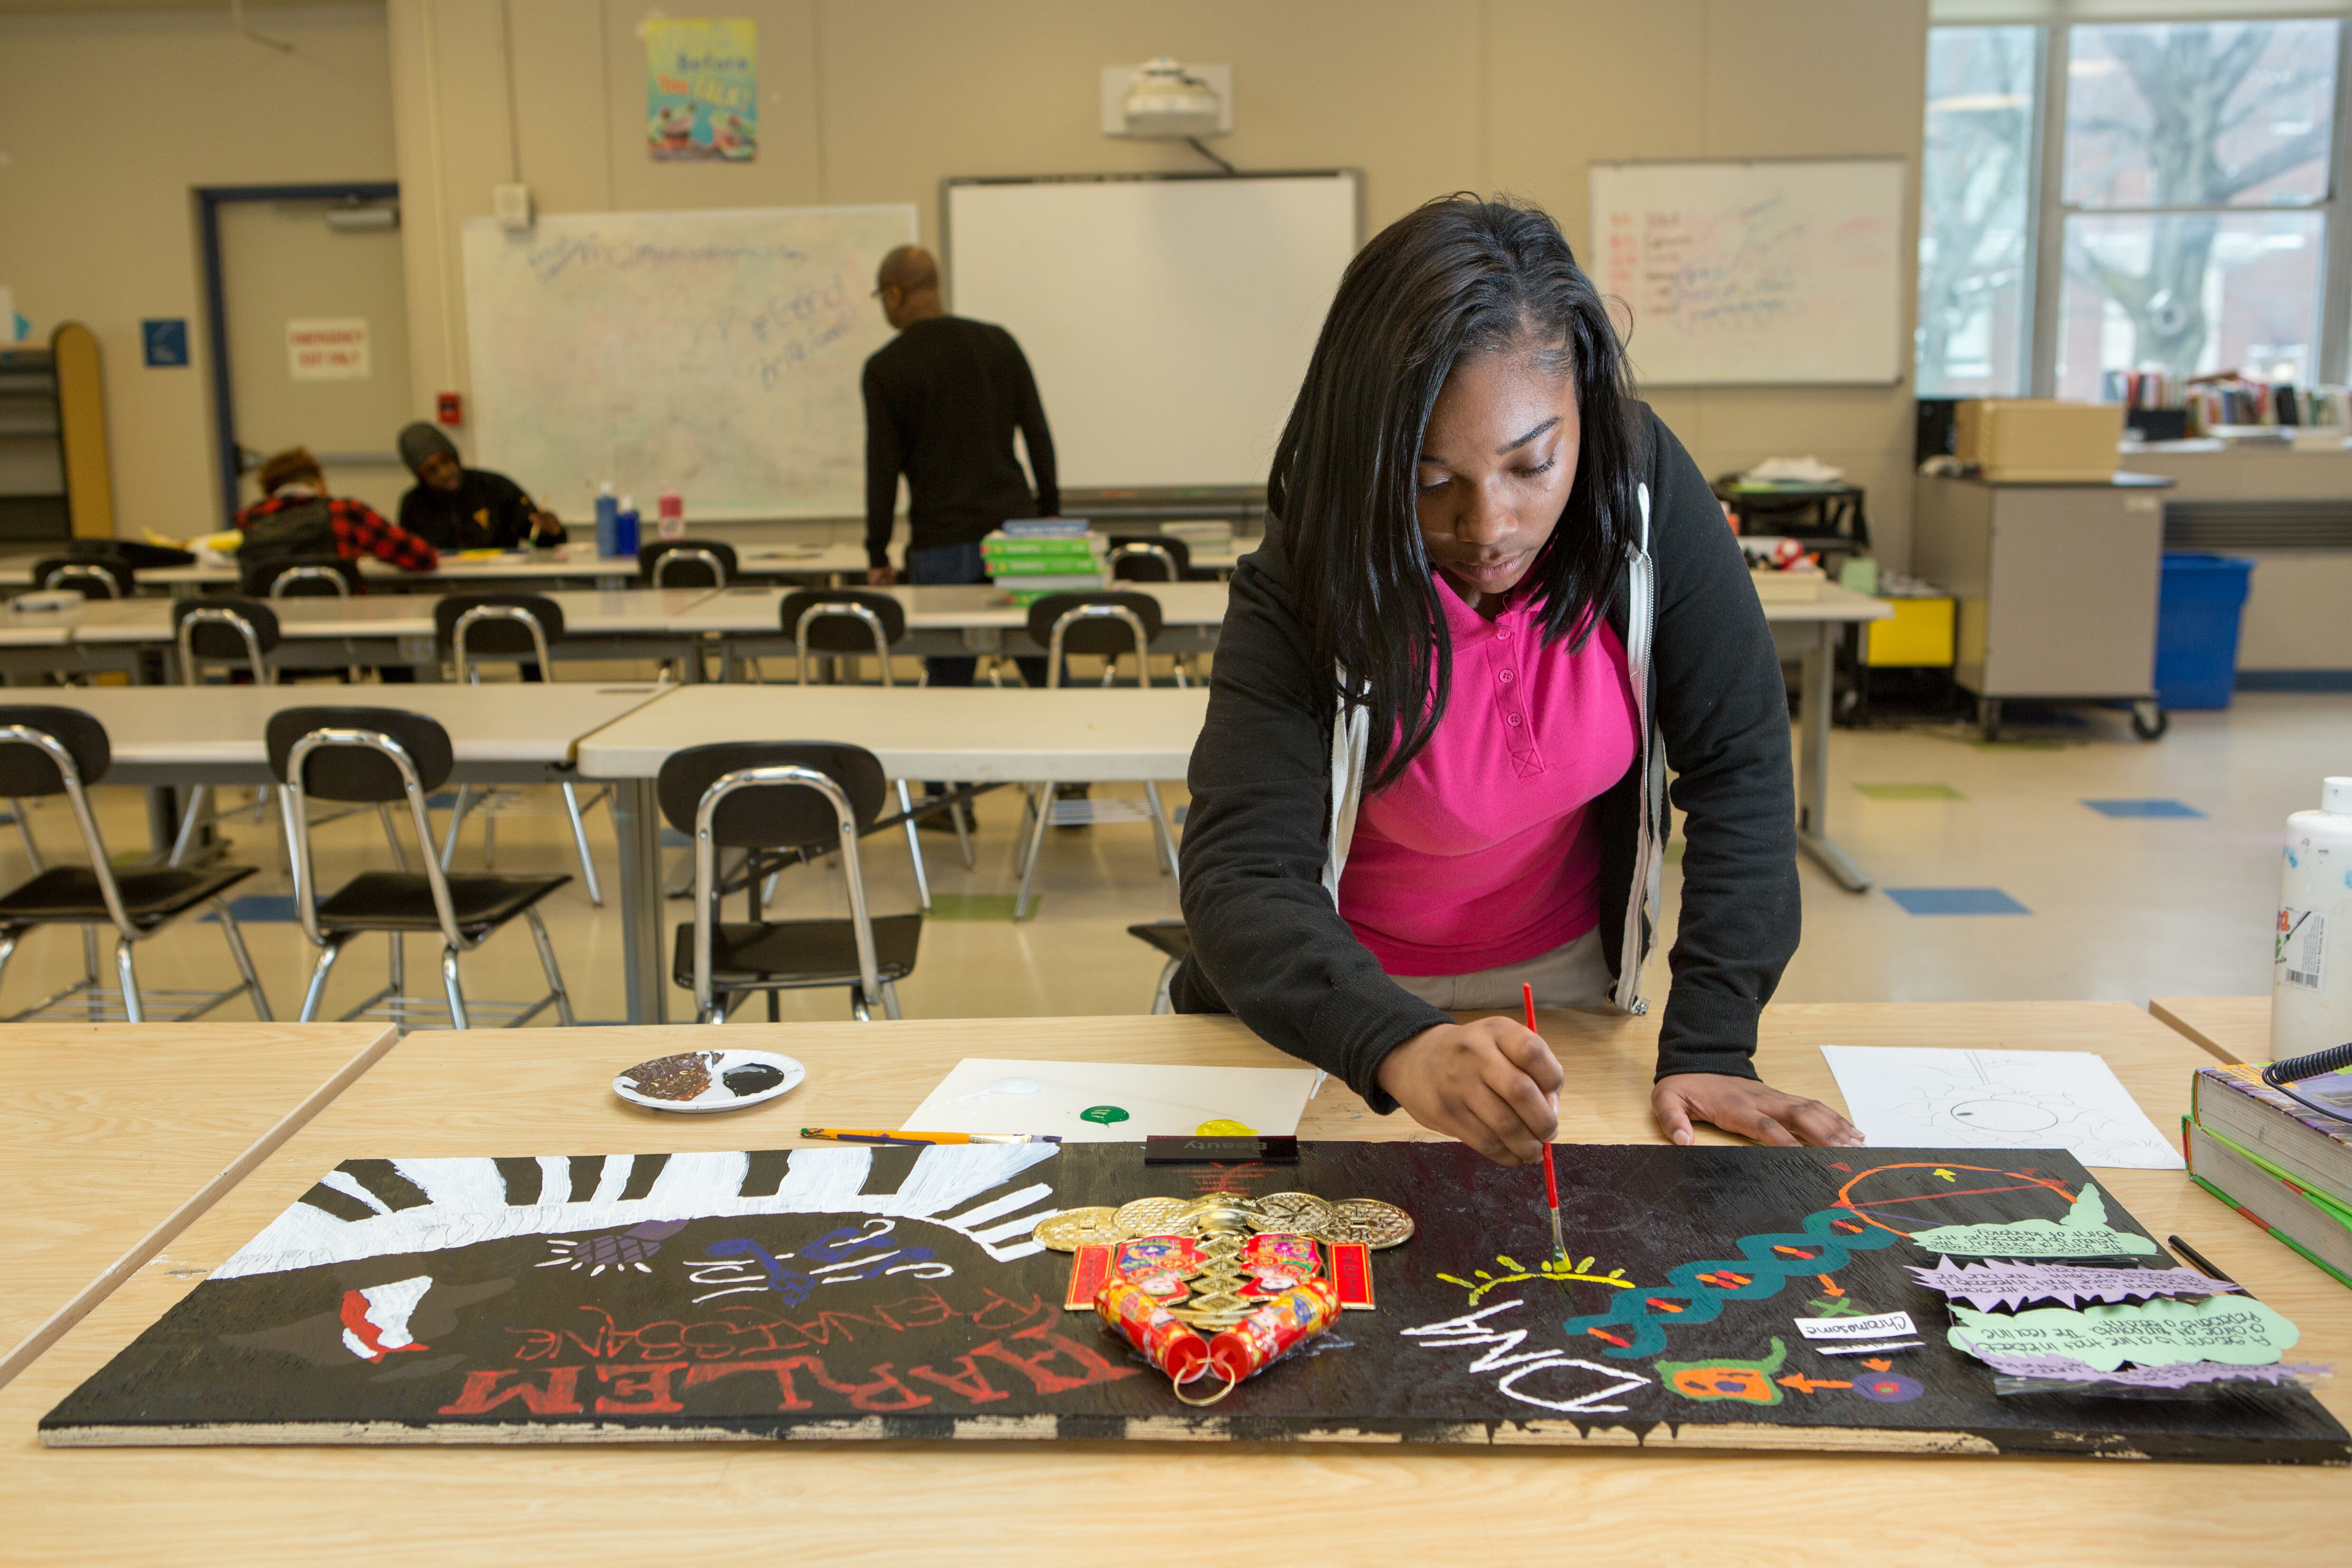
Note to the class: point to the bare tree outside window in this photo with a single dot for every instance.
(2194, 155)
(1975, 207)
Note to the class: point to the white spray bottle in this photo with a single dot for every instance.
(2311, 967)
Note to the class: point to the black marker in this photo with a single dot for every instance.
(2199, 1258)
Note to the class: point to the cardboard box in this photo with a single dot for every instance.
(2036, 440)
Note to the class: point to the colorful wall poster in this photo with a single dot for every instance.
(702, 90)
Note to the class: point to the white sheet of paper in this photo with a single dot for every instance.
(1927, 1098)
(997, 1094)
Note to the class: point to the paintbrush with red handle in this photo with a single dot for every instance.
(1552, 1175)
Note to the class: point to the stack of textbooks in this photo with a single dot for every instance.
(2285, 1167)
(1032, 557)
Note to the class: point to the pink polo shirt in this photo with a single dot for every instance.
(1482, 854)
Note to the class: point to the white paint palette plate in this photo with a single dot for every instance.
(697, 1081)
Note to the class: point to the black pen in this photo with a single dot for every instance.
(2199, 1259)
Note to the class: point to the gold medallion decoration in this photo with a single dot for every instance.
(1361, 1222)
(1074, 1229)
(1370, 1223)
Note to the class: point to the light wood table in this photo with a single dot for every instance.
(1074, 1502)
(114, 1136)
(959, 619)
(2235, 1028)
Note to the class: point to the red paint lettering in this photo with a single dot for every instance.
(966, 1380)
(482, 1393)
(886, 1392)
(1091, 1368)
(645, 1389)
(788, 1396)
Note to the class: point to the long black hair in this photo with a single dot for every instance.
(1456, 278)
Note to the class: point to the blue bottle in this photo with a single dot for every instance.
(624, 529)
(608, 521)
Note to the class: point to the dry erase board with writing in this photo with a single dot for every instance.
(1755, 273)
(717, 353)
(858, 1293)
(1168, 320)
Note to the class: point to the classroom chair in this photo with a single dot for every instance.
(1108, 625)
(224, 630)
(93, 576)
(63, 750)
(515, 628)
(686, 563)
(381, 756)
(845, 622)
(1153, 558)
(808, 798)
(1171, 939)
(300, 577)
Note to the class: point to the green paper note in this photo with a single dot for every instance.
(2235, 1329)
(2083, 1233)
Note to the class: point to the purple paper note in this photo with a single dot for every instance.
(2178, 1374)
(1985, 1286)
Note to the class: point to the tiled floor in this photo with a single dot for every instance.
(2122, 903)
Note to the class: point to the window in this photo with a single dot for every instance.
(1976, 211)
(2190, 228)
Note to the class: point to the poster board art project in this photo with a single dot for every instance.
(895, 1292)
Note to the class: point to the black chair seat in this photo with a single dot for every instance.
(784, 954)
(403, 900)
(1169, 937)
(148, 898)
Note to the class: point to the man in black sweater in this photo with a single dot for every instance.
(942, 400)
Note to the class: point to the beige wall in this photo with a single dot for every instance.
(868, 102)
(107, 120)
(872, 102)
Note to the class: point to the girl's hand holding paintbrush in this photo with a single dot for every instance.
(1492, 1083)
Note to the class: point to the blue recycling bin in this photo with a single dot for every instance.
(2197, 617)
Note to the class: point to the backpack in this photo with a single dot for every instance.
(305, 528)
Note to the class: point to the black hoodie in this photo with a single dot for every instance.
(1268, 943)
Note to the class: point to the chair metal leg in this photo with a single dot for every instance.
(1036, 851)
(244, 961)
(580, 838)
(456, 824)
(188, 820)
(129, 976)
(395, 965)
(7, 951)
(547, 962)
(489, 841)
(25, 832)
(956, 814)
(914, 847)
(1164, 1000)
(1160, 832)
(391, 836)
(319, 973)
(858, 1008)
(92, 1002)
(890, 1000)
(449, 985)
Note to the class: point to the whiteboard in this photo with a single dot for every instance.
(1757, 272)
(717, 352)
(1168, 321)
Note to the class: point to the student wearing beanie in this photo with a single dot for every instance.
(296, 516)
(458, 508)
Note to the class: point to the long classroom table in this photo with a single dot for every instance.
(334, 633)
(115, 1137)
(1066, 1502)
(954, 621)
(980, 735)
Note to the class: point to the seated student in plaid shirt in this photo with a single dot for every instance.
(293, 490)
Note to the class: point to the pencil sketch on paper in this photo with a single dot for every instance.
(1998, 1099)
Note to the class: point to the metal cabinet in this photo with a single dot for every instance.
(2057, 587)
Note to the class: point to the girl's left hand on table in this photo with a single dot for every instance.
(1750, 1108)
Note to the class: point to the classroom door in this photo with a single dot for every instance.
(315, 334)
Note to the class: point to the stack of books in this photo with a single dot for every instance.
(2286, 1168)
(1032, 557)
